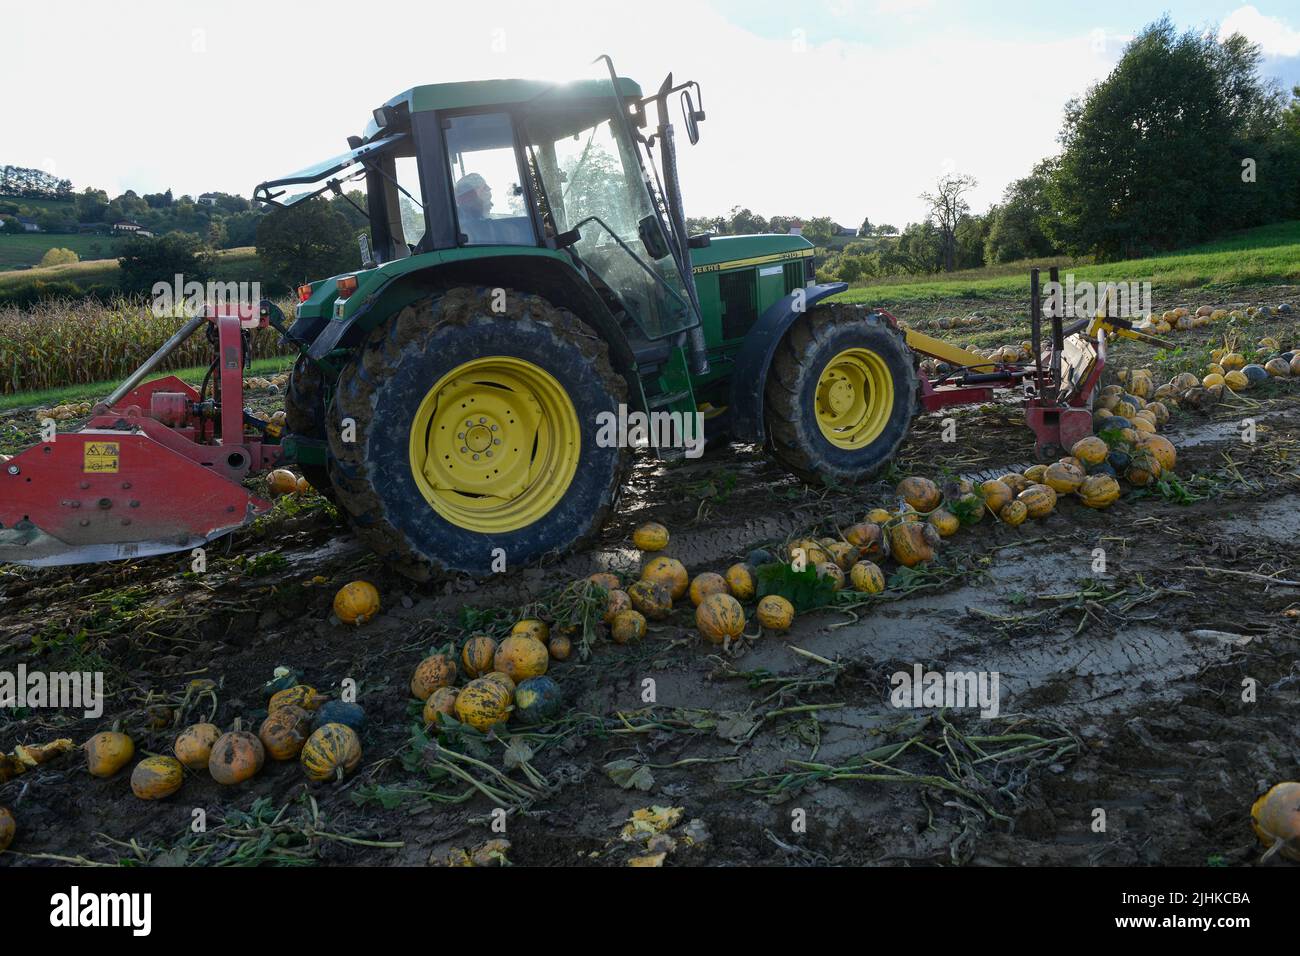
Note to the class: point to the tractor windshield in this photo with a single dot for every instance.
(591, 180)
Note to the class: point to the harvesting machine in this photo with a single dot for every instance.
(527, 268)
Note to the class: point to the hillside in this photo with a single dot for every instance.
(24, 251)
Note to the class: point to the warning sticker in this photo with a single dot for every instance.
(101, 457)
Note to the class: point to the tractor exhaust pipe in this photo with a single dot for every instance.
(153, 361)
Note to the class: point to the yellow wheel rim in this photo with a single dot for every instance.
(495, 444)
(855, 395)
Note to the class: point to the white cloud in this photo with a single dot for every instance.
(844, 129)
(1273, 34)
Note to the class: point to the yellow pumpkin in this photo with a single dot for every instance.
(842, 553)
(1016, 482)
(1099, 491)
(107, 753)
(651, 536)
(710, 582)
(1233, 361)
(331, 753)
(627, 626)
(520, 658)
(283, 732)
(617, 602)
(720, 617)
(1236, 380)
(879, 516)
(531, 627)
(812, 551)
(605, 580)
(1161, 412)
(482, 704)
(441, 702)
(1162, 449)
(1062, 478)
(921, 494)
(300, 695)
(829, 569)
(866, 576)
(8, 827)
(910, 545)
(1143, 470)
(1039, 500)
(1014, 512)
(1034, 473)
(774, 612)
(356, 602)
(193, 745)
(669, 572)
(945, 522)
(503, 681)
(155, 778)
(1275, 818)
(1143, 427)
(560, 648)
(477, 655)
(282, 481)
(436, 670)
(740, 578)
(866, 537)
(236, 756)
(653, 600)
(303, 487)
(996, 494)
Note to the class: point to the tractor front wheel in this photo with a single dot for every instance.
(840, 394)
(473, 434)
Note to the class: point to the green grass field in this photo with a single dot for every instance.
(232, 265)
(19, 252)
(58, 205)
(1268, 254)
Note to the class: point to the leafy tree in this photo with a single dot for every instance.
(947, 206)
(59, 257)
(305, 242)
(1016, 228)
(13, 227)
(146, 260)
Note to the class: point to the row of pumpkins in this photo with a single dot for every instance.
(1181, 319)
(301, 724)
(62, 413)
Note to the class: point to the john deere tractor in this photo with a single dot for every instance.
(528, 268)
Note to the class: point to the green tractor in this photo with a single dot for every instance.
(528, 279)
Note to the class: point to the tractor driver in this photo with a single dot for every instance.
(473, 204)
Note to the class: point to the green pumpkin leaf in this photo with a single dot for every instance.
(629, 774)
(806, 589)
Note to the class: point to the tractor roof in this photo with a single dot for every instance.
(472, 93)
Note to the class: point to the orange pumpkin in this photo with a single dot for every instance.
(605, 580)
(300, 695)
(482, 704)
(356, 602)
(1062, 478)
(710, 582)
(437, 670)
(282, 482)
(921, 494)
(8, 827)
(236, 756)
(774, 612)
(1039, 500)
(829, 569)
(477, 655)
(651, 536)
(910, 544)
(945, 522)
(560, 648)
(531, 627)
(741, 580)
(617, 602)
(520, 658)
(1016, 482)
(995, 494)
(1014, 512)
(867, 577)
(331, 753)
(669, 572)
(720, 617)
(652, 599)
(502, 680)
(1099, 491)
(1090, 450)
(627, 626)
(156, 778)
(193, 745)
(865, 536)
(1275, 818)
(107, 753)
(284, 731)
(1162, 449)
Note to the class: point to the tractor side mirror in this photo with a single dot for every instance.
(651, 237)
(691, 116)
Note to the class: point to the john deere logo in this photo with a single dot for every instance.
(101, 458)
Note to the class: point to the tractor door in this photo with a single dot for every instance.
(591, 180)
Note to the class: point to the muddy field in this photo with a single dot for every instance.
(1121, 690)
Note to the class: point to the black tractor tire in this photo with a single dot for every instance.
(304, 414)
(382, 388)
(790, 393)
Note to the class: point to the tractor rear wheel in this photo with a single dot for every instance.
(475, 430)
(304, 414)
(840, 394)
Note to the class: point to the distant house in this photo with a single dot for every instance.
(126, 225)
(796, 228)
(208, 199)
(29, 224)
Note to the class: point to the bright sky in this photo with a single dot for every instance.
(847, 108)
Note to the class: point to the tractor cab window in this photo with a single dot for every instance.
(486, 184)
(411, 215)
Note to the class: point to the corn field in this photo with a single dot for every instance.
(69, 342)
